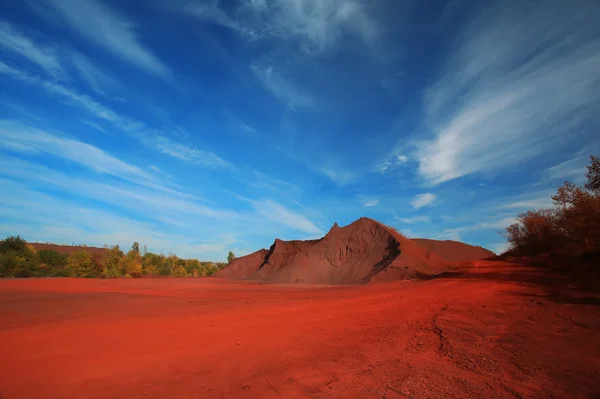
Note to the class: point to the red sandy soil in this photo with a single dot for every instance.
(364, 251)
(454, 251)
(496, 331)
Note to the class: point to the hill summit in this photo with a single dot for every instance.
(362, 252)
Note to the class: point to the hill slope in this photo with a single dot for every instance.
(362, 252)
(454, 251)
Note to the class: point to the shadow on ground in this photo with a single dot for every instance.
(558, 286)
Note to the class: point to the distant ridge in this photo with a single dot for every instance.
(454, 251)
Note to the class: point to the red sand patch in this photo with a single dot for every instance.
(454, 251)
(362, 252)
(490, 333)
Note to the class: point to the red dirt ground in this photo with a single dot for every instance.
(496, 331)
(454, 251)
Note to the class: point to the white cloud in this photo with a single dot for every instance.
(60, 220)
(247, 128)
(110, 30)
(95, 78)
(130, 126)
(572, 169)
(370, 202)
(96, 126)
(520, 79)
(340, 177)
(188, 153)
(391, 162)
(383, 167)
(450, 234)
(20, 138)
(280, 214)
(496, 224)
(415, 219)
(317, 24)
(421, 200)
(14, 41)
(529, 204)
(281, 88)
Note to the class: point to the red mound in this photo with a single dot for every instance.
(454, 251)
(362, 252)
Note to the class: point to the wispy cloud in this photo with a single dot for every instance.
(421, 200)
(281, 88)
(99, 81)
(280, 214)
(572, 169)
(247, 128)
(96, 126)
(529, 204)
(391, 162)
(107, 28)
(337, 175)
(520, 78)
(20, 138)
(317, 24)
(14, 41)
(61, 220)
(133, 127)
(189, 154)
(534, 200)
(415, 219)
(370, 202)
(497, 224)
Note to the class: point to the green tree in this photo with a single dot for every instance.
(131, 265)
(230, 257)
(136, 247)
(111, 263)
(54, 262)
(79, 264)
(13, 243)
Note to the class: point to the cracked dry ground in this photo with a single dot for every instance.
(495, 331)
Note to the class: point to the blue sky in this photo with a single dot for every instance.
(200, 127)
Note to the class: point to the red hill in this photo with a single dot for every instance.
(362, 252)
(454, 251)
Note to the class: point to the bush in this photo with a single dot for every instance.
(571, 228)
(13, 243)
(20, 259)
(53, 263)
(79, 264)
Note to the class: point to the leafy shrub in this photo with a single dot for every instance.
(572, 227)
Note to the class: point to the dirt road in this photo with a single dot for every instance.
(493, 332)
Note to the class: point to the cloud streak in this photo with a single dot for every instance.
(108, 29)
(281, 88)
(12, 40)
(20, 138)
(317, 25)
(421, 200)
(130, 126)
(280, 214)
(520, 78)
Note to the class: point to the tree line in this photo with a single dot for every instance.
(21, 259)
(571, 228)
